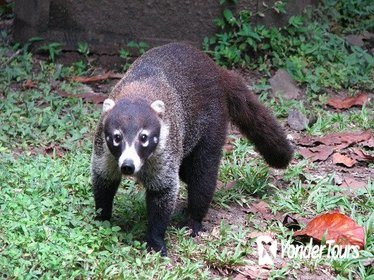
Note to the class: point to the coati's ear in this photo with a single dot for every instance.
(159, 107)
(108, 105)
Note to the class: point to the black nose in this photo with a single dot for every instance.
(128, 167)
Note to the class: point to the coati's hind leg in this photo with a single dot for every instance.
(199, 170)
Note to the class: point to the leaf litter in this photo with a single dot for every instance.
(336, 144)
(348, 102)
(335, 226)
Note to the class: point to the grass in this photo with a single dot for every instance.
(47, 209)
(48, 231)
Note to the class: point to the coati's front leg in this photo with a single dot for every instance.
(106, 178)
(104, 190)
(161, 194)
(160, 206)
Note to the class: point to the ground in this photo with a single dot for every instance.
(47, 121)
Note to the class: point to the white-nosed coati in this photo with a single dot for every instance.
(167, 120)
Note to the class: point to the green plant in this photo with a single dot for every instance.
(6, 8)
(125, 54)
(348, 16)
(53, 49)
(83, 48)
(133, 48)
(141, 47)
(306, 47)
(80, 67)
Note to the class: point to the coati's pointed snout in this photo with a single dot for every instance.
(128, 167)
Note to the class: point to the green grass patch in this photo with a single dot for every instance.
(313, 52)
(48, 228)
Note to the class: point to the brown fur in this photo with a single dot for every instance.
(200, 99)
(256, 122)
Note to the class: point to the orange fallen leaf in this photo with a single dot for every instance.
(97, 78)
(29, 84)
(348, 102)
(343, 159)
(337, 226)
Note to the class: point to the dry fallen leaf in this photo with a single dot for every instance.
(353, 183)
(361, 156)
(97, 78)
(54, 151)
(348, 102)
(337, 226)
(216, 232)
(348, 138)
(319, 153)
(261, 208)
(29, 84)
(368, 143)
(252, 272)
(343, 159)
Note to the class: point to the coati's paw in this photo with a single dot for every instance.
(196, 227)
(157, 245)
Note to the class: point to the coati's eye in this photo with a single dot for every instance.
(117, 138)
(143, 138)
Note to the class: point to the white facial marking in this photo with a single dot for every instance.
(116, 132)
(130, 153)
(108, 104)
(155, 139)
(107, 138)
